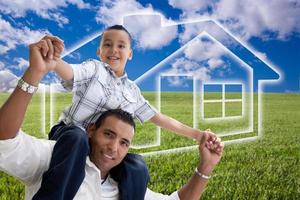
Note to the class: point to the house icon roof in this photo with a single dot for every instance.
(263, 70)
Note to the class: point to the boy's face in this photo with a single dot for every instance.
(115, 49)
(109, 143)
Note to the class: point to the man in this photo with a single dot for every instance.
(27, 158)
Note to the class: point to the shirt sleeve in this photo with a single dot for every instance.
(82, 73)
(150, 195)
(25, 157)
(144, 110)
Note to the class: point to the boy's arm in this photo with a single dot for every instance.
(171, 124)
(64, 70)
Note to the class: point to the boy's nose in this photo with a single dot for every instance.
(114, 49)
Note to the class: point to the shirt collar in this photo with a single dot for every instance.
(108, 68)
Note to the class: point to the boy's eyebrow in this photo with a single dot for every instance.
(109, 40)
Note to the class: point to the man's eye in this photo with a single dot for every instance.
(108, 134)
(124, 144)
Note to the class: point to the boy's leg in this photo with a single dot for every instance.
(67, 166)
(133, 176)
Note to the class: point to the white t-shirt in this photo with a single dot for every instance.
(27, 158)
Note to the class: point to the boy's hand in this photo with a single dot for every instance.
(213, 142)
(44, 54)
(210, 153)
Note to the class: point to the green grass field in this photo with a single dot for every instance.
(268, 168)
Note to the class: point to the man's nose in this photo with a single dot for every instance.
(113, 145)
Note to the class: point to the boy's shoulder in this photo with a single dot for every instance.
(95, 65)
(92, 61)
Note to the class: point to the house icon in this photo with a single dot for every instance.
(233, 89)
(223, 76)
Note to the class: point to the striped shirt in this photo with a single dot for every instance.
(96, 89)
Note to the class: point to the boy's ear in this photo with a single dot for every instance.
(91, 129)
(98, 52)
(130, 55)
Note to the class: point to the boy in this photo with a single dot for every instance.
(97, 86)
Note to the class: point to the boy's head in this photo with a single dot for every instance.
(115, 48)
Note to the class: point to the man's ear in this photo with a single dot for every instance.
(91, 129)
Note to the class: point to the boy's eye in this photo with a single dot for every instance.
(106, 44)
(121, 46)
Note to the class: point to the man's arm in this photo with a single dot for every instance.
(209, 159)
(13, 110)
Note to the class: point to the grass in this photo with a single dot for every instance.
(267, 168)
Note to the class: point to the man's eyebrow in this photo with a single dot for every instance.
(125, 140)
(111, 131)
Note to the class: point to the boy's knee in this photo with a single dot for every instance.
(136, 162)
(75, 135)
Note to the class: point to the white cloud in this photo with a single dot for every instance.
(8, 81)
(254, 18)
(202, 50)
(11, 37)
(248, 18)
(21, 63)
(112, 12)
(48, 9)
(214, 63)
(177, 81)
(185, 66)
(146, 32)
(190, 6)
(1, 65)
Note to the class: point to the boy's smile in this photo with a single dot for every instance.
(115, 50)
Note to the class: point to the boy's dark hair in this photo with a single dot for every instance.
(118, 113)
(120, 28)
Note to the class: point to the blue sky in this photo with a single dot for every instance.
(270, 29)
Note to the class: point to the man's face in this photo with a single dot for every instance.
(109, 143)
(115, 50)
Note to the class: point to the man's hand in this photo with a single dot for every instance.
(45, 54)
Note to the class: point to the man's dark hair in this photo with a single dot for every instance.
(120, 28)
(118, 113)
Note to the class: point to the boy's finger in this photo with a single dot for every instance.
(51, 49)
(44, 47)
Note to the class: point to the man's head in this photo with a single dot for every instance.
(115, 48)
(110, 138)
